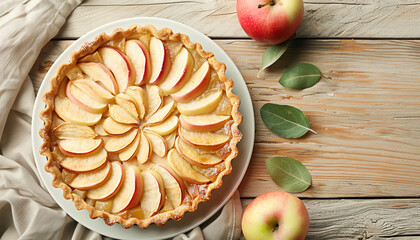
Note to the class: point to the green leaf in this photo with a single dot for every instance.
(289, 174)
(300, 76)
(286, 121)
(273, 53)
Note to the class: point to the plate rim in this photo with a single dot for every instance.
(230, 70)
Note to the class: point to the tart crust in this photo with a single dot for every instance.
(47, 114)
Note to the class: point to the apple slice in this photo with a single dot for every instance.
(170, 140)
(197, 85)
(203, 123)
(100, 73)
(180, 72)
(119, 143)
(161, 114)
(130, 192)
(85, 163)
(139, 96)
(205, 140)
(120, 65)
(140, 58)
(111, 186)
(77, 147)
(94, 57)
(193, 156)
(145, 149)
(161, 62)
(166, 127)
(174, 186)
(83, 100)
(95, 90)
(154, 193)
(70, 112)
(128, 103)
(184, 169)
(158, 143)
(201, 105)
(115, 128)
(69, 130)
(99, 128)
(131, 151)
(154, 100)
(92, 179)
(119, 114)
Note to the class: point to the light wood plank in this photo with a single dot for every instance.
(362, 218)
(366, 111)
(215, 18)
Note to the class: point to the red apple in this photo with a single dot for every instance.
(270, 21)
(275, 215)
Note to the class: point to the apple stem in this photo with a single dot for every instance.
(271, 3)
(275, 228)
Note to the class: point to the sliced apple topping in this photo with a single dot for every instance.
(68, 176)
(135, 212)
(74, 73)
(91, 88)
(131, 191)
(140, 58)
(104, 206)
(68, 130)
(154, 100)
(94, 57)
(161, 114)
(92, 179)
(119, 114)
(85, 163)
(154, 193)
(161, 62)
(193, 156)
(180, 72)
(174, 186)
(111, 186)
(201, 105)
(119, 143)
(145, 149)
(166, 127)
(170, 139)
(100, 73)
(128, 103)
(84, 100)
(120, 65)
(197, 85)
(99, 128)
(70, 112)
(205, 140)
(203, 123)
(131, 151)
(81, 146)
(139, 96)
(184, 169)
(158, 143)
(115, 128)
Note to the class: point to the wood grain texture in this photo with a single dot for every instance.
(362, 219)
(366, 110)
(217, 18)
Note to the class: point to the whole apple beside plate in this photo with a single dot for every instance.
(270, 21)
(275, 215)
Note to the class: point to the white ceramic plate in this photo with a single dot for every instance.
(219, 197)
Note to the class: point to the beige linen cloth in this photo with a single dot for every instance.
(27, 211)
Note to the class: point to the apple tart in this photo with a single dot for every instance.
(140, 126)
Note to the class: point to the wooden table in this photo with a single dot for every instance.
(365, 159)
